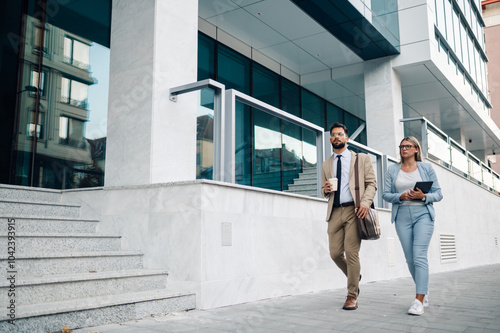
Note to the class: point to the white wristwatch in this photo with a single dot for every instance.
(424, 198)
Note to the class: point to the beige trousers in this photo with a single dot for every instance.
(343, 238)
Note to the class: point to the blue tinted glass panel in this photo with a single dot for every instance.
(265, 85)
(233, 70)
(334, 114)
(352, 122)
(313, 108)
(206, 58)
(290, 97)
(243, 145)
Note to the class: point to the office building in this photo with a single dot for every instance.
(194, 130)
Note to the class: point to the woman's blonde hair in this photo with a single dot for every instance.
(414, 141)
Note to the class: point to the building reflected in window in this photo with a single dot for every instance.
(61, 139)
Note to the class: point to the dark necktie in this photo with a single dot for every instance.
(336, 197)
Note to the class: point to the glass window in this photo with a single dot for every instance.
(76, 53)
(205, 135)
(35, 77)
(470, 46)
(243, 144)
(292, 152)
(440, 14)
(352, 122)
(71, 132)
(37, 35)
(449, 23)
(467, 9)
(334, 114)
(310, 157)
(456, 32)
(290, 97)
(313, 108)
(206, 57)
(36, 125)
(74, 93)
(465, 51)
(267, 151)
(265, 85)
(233, 70)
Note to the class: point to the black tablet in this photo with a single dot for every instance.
(423, 186)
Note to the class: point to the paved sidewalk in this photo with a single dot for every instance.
(460, 301)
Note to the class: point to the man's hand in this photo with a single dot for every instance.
(328, 187)
(362, 211)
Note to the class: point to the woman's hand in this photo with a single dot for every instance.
(405, 196)
(416, 195)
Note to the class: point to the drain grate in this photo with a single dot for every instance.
(448, 248)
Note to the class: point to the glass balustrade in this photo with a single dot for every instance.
(438, 146)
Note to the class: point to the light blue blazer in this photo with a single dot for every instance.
(427, 173)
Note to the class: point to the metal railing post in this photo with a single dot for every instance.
(230, 137)
(219, 118)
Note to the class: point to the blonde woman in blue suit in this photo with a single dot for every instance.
(413, 213)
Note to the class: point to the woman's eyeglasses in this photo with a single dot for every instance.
(406, 147)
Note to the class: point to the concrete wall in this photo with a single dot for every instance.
(235, 244)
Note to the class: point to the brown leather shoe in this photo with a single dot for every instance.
(350, 303)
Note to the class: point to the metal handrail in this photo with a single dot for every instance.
(224, 125)
(231, 97)
(219, 104)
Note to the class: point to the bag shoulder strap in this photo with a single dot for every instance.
(356, 181)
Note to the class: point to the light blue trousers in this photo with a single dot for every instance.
(414, 227)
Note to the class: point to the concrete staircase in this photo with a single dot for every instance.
(306, 184)
(58, 271)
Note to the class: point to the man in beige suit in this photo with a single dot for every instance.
(341, 215)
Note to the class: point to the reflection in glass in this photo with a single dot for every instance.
(35, 77)
(36, 40)
(243, 144)
(313, 108)
(267, 151)
(61, 137)
(76, 53)
(205, 135)
(310, 157)
(292, 153)
(36, 125)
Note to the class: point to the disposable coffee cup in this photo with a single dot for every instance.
(334, 182)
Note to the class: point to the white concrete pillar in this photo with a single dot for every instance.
(153, 48)
(384, 106)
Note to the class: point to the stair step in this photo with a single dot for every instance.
(18, 208)
(310, 193)
(23, 193)
(308, 176)
(95, 311)
(307, 187)
(33, 265)
(55, 288)
(49, 225)
(304, 181)
(61, 243)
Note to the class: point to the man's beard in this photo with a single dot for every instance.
(339, 145)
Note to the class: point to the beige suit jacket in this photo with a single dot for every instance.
(367, 181)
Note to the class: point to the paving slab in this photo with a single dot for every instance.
(465, 300)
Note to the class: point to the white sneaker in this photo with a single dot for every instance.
(426, 301)
(416, 308)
